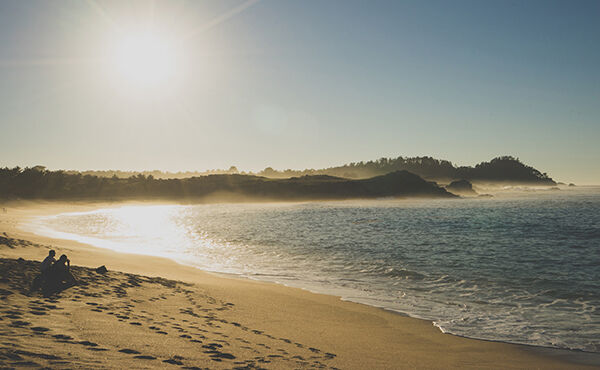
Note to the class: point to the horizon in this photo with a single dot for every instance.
(144, 85)
(257, 171)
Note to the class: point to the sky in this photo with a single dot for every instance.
(196, 85)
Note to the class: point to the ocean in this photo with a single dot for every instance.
(521, 267)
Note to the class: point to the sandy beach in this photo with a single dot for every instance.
(150, 312)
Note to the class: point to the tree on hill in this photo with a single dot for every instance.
(30, 183)
(501, 169)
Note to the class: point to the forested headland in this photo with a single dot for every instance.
(39, 183)
(382, 178)
(506, 169)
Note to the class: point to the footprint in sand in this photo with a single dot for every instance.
(20, 323)
(129, 351)
(145, 357)
(38, 312)
(213, 345)
(39, 329)
(62, 337)
(219, 356)
(173, 361)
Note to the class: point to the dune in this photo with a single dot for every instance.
(150, 312)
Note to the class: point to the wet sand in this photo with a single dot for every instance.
(150, 312)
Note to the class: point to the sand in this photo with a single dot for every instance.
(150, 312)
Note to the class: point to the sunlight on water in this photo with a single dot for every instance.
(133, 229)
(151, 230)
(520, 268)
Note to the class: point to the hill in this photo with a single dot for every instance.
(505, 169)
(38, 183)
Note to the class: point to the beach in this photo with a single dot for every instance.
(150, 312)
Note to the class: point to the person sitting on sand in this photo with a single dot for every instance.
(60, 274)
(47, 262)
(44, 270)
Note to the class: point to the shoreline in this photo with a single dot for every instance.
(523, 355)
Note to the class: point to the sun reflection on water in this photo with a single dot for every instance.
(430, 259)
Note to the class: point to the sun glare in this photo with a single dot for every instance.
(144, 59)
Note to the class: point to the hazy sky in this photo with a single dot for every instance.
(297, 84)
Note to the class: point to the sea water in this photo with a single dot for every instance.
(519, 267)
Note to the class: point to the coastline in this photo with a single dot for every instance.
(324, 321)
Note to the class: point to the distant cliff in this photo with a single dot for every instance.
(38, 183)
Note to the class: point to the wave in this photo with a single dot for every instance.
(475, 269)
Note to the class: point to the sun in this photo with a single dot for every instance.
(144, 58)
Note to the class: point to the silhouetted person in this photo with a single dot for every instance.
(48, 262)
(59, 276)
(45, 266)
(61, 270)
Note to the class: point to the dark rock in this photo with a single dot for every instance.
(102, 270)
(461, 187)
